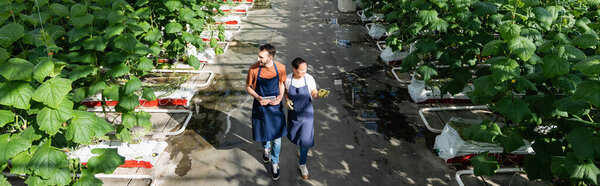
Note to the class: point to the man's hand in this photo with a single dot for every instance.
(323, 93)
(263, 102)
(289, 104)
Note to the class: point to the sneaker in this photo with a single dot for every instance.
(303, 171)
(275, 172)
(266, 156)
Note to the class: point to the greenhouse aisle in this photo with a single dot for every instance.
(345, 152)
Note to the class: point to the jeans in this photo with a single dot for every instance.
(303, 154)
(275, 150)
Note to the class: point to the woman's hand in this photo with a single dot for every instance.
(276, 101)
(289, 104)
(263, 102)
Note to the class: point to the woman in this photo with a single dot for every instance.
(301, 89)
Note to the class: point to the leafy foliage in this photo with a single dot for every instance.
(533, 62)
(53, 54)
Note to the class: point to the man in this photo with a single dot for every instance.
(265, 82)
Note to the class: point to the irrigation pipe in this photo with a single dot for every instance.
(422, 110)
(464, 172)
(185, 123)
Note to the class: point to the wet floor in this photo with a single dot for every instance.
(377, 103)
(214, 103)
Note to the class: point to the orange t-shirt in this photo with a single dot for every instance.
(266, 73)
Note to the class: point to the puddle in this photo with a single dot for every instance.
(377, 103)
(214, 102)
(184, 144)
(243, 47)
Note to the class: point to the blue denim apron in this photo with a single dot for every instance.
(268, 122)
(300, 120)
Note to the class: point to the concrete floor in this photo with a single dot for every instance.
(345, 152)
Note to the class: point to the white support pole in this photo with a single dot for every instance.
(422, 110)
(185, 123)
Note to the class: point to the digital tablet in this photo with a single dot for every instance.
(272, 98)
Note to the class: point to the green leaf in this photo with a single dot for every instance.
(128, 119)
(485, 8)
(81, 21)
(145, 64)
(514, 109)
(132, 85)
(17, 69)
(50, 120)
(10, 33)
(505, 69)
(143, 119)
(79, 94)
(439, 25)
(3, 181)
(531, 34)
(81, 72)
(4, 55)
(95, 43)
(16, 94)
(581, 170)
(81, 128)
(10, 146)
(522, 84)
(78, 10)
(35, 181)
(589, 67)
(141, 2)
(173, 5)
(573, 107)
(129, 101)
(484, 164)
(193, 61)
(486, 85)
(144, 12)
(554, 65)
(21, 161)
(587, 91)
(492, 48)
(6, 116)
(484, 132)
(53, 91)
(106, 162)
(87, 179)
(118, 70)
(426, 16)
(62, 176)
(523, 47)
(59, 10)
(509, 31)
(214, 43)
(585, 40)
(124, 134)
(581, 141)
(114, 30)
(78, 33)
(153, 35)
(543, 15)
(47, 161)
(427, 72)
(573, 54)
(126, 42)
(173, 28)
(187, 15)
(558, 166)
(148, 94)
(111, 92)
(96, 86)
(43, 69)
(426, 45)
(511, 142)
